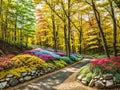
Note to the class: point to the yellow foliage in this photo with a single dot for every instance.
(28, 60)
(26, 63)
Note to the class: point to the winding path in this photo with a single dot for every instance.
(50, 81)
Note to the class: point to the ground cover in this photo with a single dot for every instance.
(101, 73)
(29, 64)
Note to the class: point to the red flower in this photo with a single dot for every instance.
(109, 67)
(113, 58)
(101, 61)
(94, 61)
(116, 63)
(106, 61)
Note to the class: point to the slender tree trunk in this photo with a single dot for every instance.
(97, 16)
(114, 28)
(54, 33)
(27, 42)
(21, 40)
(80, 42)
(15, 30)
(80, 35)
(65, 38)
(45, 44)
(73, 42)
(69, 28)
(1, 18)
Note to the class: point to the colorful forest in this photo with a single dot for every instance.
(38, 37)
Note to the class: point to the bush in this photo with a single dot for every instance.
(66, 59)
(29, 61)
(105, 65)
(46, 57)
(84, 70)
(43, 54)
(15, 71)
(89, 77)
(61, 53)
(117, 77)
(6, 63)
(60, 63)
(73, 57)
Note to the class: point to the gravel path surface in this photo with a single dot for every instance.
(51, 81)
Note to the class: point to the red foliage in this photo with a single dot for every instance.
(5, 62)
(109, 67)
(107, 64)
(100, 61)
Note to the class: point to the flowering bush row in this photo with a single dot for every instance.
(106, 64)
(27, 63)
(33, 60)
(43, 54)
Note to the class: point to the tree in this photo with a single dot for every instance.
(114, 27)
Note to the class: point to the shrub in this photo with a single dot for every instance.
(46, 57)
(117, 77)
(89, 77)
(66, 59)
(29, 61)
(60, 63)
(84, 70)
(61, 53)
(15, 71)
(110, 65)
(43, 54)
(6, 63)
(73, 57)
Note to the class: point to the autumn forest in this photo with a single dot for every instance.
(64, 27)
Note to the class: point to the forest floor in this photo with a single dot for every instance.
(55, 80)
(6, 48)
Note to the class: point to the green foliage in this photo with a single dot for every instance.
(84, 71)
(117, 3)
(66, 59)
(60, 63)
(89, 77)
(97, 71)
(117, 77)
(73, 57)
(82, 68)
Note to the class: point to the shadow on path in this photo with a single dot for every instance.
(48, 83)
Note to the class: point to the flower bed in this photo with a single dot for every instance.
(27, 67)
(101, 73)
(43, 54)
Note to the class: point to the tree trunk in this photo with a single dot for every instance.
(114, 28)
(73, 42)
(15, 30)
(80, 35)
(65, 38)
(54, 33)
(69, 29)
(97, 16)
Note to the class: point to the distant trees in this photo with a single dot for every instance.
(17, 21)
(69, 25)
(78, 25)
